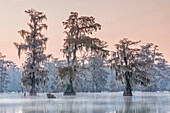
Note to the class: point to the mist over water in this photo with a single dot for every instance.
(140, 102)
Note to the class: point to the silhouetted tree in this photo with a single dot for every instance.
(78, 30)
(129, 67)
(34, 45)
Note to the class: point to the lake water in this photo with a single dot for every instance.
(140, 102)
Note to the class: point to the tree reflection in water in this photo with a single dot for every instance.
(87, 103)
(131, 106)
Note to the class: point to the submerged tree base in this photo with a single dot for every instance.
(69, 91)
(33, 92)
(127, 93)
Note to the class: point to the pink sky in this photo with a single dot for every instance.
(146, 20)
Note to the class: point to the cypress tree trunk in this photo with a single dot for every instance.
(69, 89)
(33, 91)
(128, 88)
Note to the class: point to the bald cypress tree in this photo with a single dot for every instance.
(159, 66)
(4, 75)
(78, 32)
(129, 66)
(34, 74)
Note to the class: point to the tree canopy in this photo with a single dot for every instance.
(34, 45)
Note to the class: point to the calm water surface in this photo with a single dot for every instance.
(141, 102)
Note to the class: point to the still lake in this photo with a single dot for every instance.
(140, 102)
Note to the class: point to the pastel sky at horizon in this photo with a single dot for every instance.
(145, 20)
